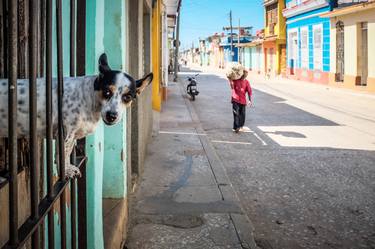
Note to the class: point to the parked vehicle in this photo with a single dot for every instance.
(191, 88)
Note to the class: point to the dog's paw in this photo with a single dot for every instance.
(72, 171)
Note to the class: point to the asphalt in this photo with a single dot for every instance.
(306, 172)
(302, 177)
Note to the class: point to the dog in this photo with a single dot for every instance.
(86, 100)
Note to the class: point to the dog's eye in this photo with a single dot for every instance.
(126, 98)
(107, 94)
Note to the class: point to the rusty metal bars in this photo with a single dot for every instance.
(49, 134)
(34, 164)
(60, 95)
(12, 121)
(73, 182)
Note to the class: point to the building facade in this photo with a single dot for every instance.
(274, 47)
(308, 39)
(252, 55)
(352, 57)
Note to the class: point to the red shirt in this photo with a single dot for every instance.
(239, 89)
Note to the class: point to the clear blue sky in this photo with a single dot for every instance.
(201, 18)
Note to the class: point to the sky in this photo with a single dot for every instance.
(201, 18)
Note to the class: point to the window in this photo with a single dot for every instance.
(271, 14)
(318, 46)
(304, 47)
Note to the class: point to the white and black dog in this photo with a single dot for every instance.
(85, 100)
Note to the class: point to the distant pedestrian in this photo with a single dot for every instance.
(239, 88)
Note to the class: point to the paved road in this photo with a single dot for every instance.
(305, 173)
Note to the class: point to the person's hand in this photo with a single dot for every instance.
(249, 103)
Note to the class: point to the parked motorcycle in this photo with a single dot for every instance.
(191, 88)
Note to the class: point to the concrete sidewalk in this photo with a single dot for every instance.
(185, 199)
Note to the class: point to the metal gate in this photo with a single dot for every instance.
(28, 24)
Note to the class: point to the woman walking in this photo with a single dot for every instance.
(239, 88)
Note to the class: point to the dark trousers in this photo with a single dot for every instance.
(239, 114)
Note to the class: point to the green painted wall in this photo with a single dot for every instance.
(115, 173)
(95, 142)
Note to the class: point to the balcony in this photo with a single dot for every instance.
(295, 7)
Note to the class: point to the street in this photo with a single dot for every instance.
(304, 174)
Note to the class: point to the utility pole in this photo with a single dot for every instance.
(231, 34)
(192, 52)
(238, 42)
(177, 43)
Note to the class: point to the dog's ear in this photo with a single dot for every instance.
(103, 64)
(142, 83)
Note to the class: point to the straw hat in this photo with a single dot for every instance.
(235, 71)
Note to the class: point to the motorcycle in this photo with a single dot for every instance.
(191, 88)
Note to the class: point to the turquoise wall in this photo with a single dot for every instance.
(94, 142)
(308, 19)
(247, 57)
(115, 147)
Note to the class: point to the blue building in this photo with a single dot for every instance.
(226, 45)
(308, 39)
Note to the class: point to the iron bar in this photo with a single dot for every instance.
(49, 135)
(82, 207)
(42, 40)
(72, 38)
(73, 199)
(73, 182)
(60, 95)
(81, 70)
(34, 164)
(81, 38)
(6, 36)
(82, 204)
(12, 122)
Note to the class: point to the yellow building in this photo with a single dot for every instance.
(353, 46)
(274, 47)
(156, 55)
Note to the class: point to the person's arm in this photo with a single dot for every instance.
(230, 83)
(249, 92)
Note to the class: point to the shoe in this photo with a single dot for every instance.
(245, 129)
(236, 130)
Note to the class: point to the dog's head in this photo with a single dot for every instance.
(116, 90)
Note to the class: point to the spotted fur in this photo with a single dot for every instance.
(86, 100)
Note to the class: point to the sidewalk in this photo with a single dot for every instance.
(185, 199)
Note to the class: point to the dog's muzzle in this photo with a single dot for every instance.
(111, 118)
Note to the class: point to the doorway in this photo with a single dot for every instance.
(293, 51)
(364, 52)
(339, 52)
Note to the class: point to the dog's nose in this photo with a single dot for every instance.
(111, 116)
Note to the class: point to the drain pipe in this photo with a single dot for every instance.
(177, 43)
